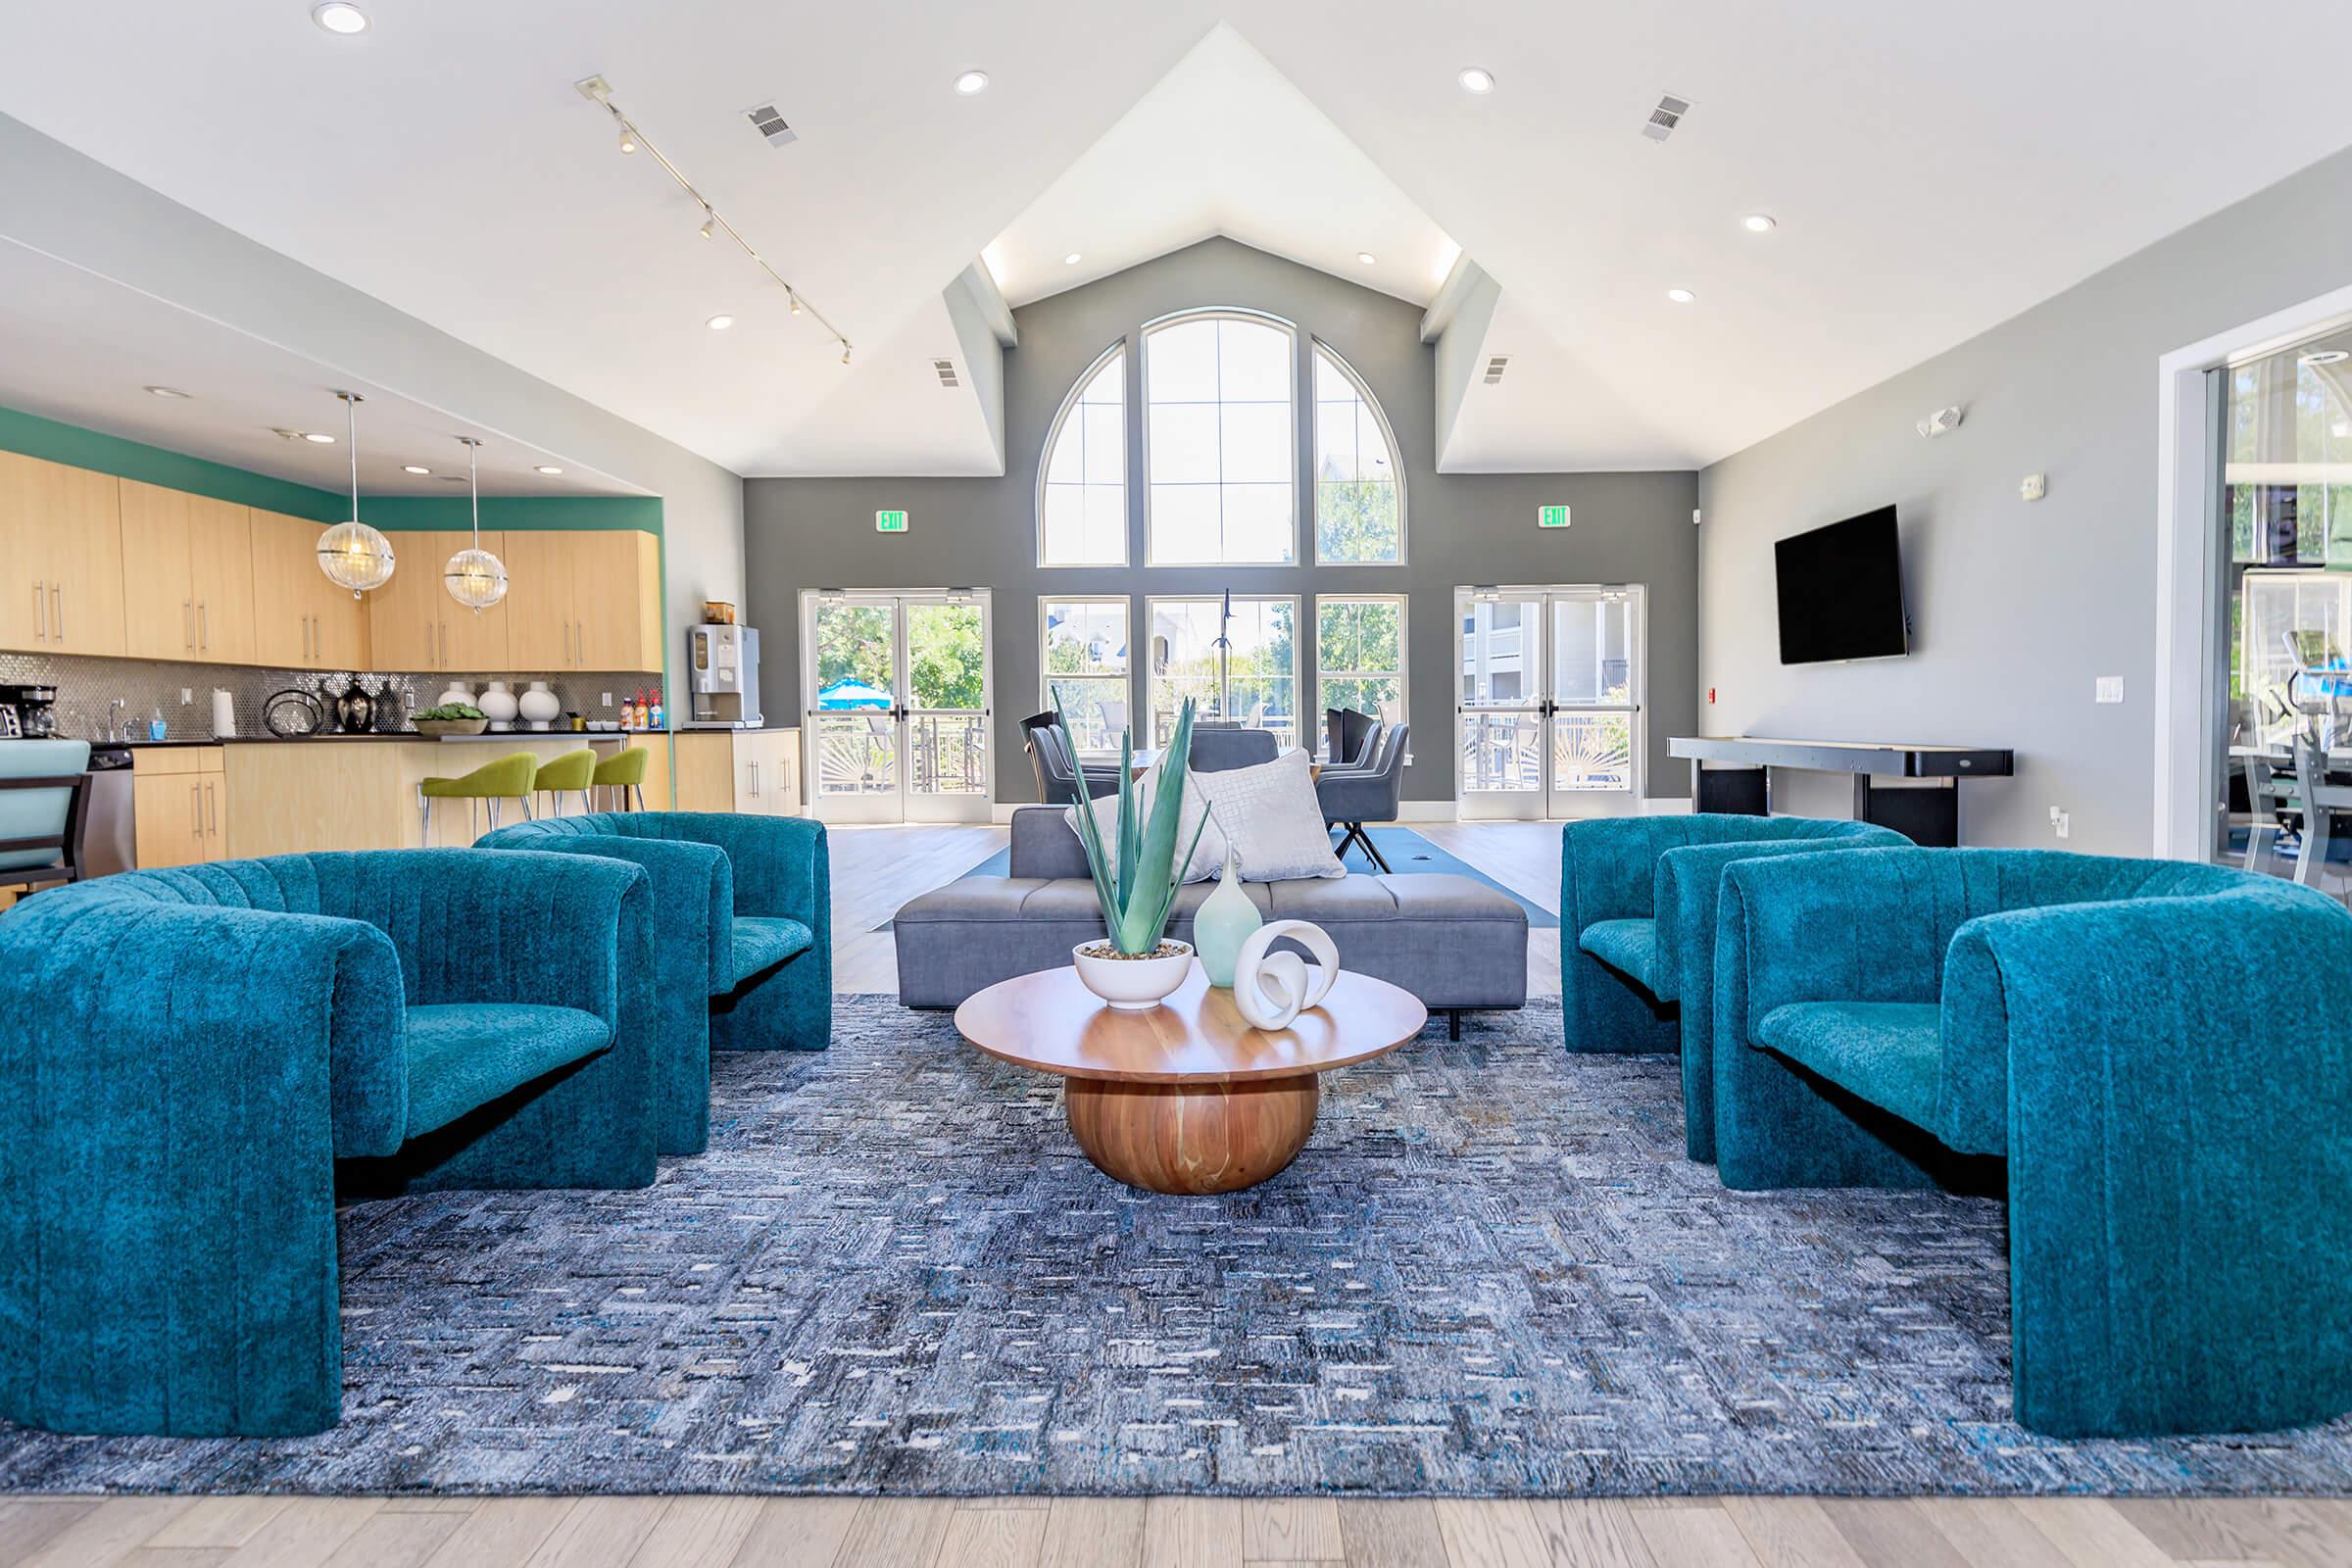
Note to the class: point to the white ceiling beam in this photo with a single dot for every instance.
(990, 302)
(1461, 281)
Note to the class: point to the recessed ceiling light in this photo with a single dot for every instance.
(340, 16)
(1759, 224)
(1476, 78)
(167, 392)
(319, 436)
(1366, 256)
(549, 467)
(1681, 296)
(2326, 357)
(719, 323)
(972, 81)
(415, 468)
(1071, 259)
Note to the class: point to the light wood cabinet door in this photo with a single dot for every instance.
(540, 614)
(82, 516)
(472, 642)
(403, 615)
(168, 822)
(300, 618)
(617, 599)
(221, 577)
(158, 591)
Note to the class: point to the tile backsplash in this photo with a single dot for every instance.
(87, 686)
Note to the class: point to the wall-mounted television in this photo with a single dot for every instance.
(1841, 591)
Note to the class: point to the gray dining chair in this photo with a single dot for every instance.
(2321, 799)
(1221, 751)
(1352, 798)
(1058, 773)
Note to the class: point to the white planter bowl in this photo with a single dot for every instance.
(1133, 985)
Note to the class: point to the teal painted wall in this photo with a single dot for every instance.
(394, 514)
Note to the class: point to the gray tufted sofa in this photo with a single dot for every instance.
(1454, 943)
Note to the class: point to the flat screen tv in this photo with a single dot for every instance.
(1841, 591)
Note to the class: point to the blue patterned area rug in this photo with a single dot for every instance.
(1490, 1273)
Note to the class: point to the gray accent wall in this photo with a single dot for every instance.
(2017, 607)
(804, 533)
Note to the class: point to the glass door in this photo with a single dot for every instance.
(1549, 702)
(897, 705)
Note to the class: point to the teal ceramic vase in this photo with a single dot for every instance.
(1224, 922)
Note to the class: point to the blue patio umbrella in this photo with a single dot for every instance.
(852, 693)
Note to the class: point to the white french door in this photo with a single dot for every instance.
(1547, 701)
(897, 691)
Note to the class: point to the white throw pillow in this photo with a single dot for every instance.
(1208, 854)
(1270, 815)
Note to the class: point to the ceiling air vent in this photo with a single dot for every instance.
(769, 124)
(946, 370)
(1496, 366)
(1663, 119)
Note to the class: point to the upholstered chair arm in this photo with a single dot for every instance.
(1607, 868)
(1689, 880)
(2179, 1085)
(693, 887)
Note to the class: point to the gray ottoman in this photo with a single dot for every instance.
(1454, 942)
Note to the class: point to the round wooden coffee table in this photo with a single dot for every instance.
(1190, 1097)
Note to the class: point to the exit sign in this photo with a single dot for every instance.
(890, 523)
(1551, 517)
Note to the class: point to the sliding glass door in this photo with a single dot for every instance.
(1547, 709)
(898, 703)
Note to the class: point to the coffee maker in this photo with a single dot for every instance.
(28, 712)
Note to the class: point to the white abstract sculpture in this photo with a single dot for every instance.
(1271, 989)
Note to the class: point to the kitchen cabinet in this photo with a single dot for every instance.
(178, 797)
(301, 620)
(745, 770)
(60, 557)
(413, 625)
(585, 599)
(188, 577)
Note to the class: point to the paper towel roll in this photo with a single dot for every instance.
(225, 714)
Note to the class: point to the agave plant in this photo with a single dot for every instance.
(1135, 879)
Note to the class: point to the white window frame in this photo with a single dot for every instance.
(1216, 313)
(1299, 632)
(1044, 676)
(1404, 650)
(1388, 433)
(1045, 462)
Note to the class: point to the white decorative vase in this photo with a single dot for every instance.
(1272, 989)
(540, 705)
(1133, 985)
(498, 705)
(456, 692)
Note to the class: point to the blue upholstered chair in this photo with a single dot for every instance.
(743, 954)
(2159, 1051)
(1638, 932)
(199, 1062)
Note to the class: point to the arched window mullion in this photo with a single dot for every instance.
(1082, 472)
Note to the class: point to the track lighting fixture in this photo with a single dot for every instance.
(599, 91)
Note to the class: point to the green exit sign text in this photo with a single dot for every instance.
(1551, 517)
(890, 523)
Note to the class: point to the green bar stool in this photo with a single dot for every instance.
(573, 770)
(509, 778)
(623, 772)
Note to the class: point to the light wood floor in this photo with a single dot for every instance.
(876, 869)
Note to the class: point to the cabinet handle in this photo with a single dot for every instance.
(319, 636)
(445, 645)
(306, 637)
(40, 613)
(203, 625)
(57, 609)
(187, 618)
(430, 661)
(196, 806)
(212, 810)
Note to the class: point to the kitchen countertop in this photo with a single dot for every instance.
(383, 735)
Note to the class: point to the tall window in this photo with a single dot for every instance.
(1082, 496)
(1218, 441)
(1250, 678)
(1359, 495)
(1359, 656)
(1084, 667)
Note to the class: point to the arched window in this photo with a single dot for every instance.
(1360, 487)
(1220, 454)
(1081, 489)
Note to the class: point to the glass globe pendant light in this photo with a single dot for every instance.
(475, 578)
(352, 554)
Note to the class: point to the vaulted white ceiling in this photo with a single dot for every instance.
(1933, 169)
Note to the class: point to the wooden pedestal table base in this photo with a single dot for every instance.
(1187, 1098)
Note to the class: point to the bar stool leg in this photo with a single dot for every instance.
(424, 809)
(528, 816)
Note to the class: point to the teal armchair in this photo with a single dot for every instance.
(2153, 1057)
(203, 1062)
(744, 956)
(1638, 932)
